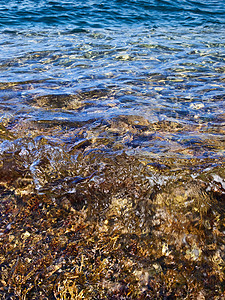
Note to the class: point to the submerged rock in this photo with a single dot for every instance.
(89, 223)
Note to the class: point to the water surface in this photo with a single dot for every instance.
(115, 105)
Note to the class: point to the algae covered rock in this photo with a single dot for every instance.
(80, 221)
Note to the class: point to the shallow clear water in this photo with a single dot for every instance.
(112, 122)
(144, 77)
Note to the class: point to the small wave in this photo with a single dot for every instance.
(117, 13)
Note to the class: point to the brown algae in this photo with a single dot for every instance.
(80, 221)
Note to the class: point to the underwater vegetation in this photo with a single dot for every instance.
(83, 216)
(112, 126)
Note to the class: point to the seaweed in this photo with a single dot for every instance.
(88, 223)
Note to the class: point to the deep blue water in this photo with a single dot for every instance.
(110, 14)
(88, 63)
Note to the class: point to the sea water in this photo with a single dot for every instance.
(98, 95)
(91, 61)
